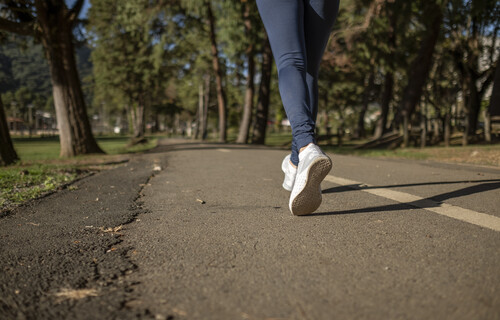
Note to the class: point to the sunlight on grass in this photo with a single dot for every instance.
(18, 184)
(35, 149)
(41, 170)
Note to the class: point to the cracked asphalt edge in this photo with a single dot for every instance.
(60, 256)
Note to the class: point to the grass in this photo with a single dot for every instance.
(473, 154)
(488, 155)
(19, 184)
(47, 148)
(41, 171)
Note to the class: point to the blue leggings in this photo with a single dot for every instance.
(298, 32)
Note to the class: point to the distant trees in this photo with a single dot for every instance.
(432, 62)
(124, 56)
(418, 71)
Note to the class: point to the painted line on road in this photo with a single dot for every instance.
(445, 209)
(223, 150)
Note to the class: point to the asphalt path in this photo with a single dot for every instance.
(203, 231)
(219, 242)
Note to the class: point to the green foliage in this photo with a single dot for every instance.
(25, 76)
(133, 54)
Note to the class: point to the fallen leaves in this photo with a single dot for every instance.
(112, 230)
(74, 294)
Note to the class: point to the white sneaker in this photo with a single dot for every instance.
(289, 172)
(313, 167)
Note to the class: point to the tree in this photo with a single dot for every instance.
(250, 27)
(52, 23)
(221, 96)
(494, 107)
(7, 153)
(474, 27)
(421, 65)
(131, 56)
(262, 112)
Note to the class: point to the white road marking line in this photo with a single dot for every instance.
(223, 150)
(445, 209)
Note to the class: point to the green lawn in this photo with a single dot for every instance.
(34, 149)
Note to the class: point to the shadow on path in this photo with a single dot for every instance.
(430, 202)
(364, 187)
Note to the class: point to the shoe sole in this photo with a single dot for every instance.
(309, 199)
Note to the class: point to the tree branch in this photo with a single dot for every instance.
(21, 28)
(75, 11)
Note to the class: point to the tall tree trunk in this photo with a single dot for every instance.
(259, 131)
(57, 39)
(221, 97)
(494, 108)
(420, 67)
(7, 153)
(474, 106)
(206, 101)
(248, 106)
(249, 91)
(199, 113)
(360, 128)
(381, 127)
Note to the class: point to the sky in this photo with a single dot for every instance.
(85, 8)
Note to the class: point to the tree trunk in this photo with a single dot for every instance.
(465, 137)
(249, 92)
(406, 131)
(384, 107)
(199, 113)
(57, 39)
(138, 124)
(447, 128)
(474, 106)
(494, 108)
(221, 97)
(7, 153)
(360, 128)
(487, 126)
(420, 67)
(248, 106)
(206, 101)
(259, 131)
(423, 131)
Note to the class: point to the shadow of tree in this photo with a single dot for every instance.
(430, 202)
